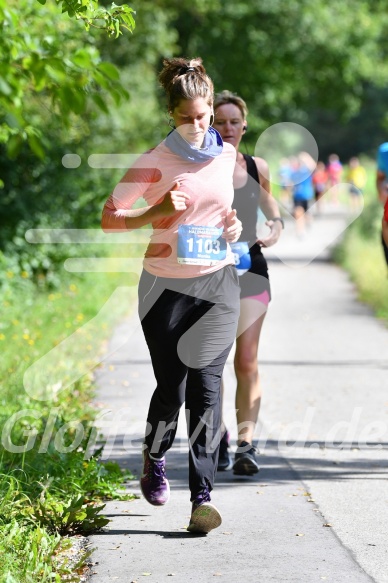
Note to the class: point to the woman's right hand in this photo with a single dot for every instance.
(174, 200)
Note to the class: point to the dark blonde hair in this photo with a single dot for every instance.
(228, 97)
(185, 79)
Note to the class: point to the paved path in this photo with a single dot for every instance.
(318, 509)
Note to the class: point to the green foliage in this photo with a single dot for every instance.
(361, 253)
(283, 56)
(368, 223)
(30, 552)
(23, 262)
(43, 494)
(362, 133)
(68, 516)
(109, 19)
(26, 549)
(27, 554)
(43, 193)
(59, 490)
(364, 260)
(50, 67)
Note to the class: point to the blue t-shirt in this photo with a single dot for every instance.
(303, 183)
(382, 158)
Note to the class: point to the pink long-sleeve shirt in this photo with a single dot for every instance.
(210, 186)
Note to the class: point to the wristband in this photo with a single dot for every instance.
(278, 219)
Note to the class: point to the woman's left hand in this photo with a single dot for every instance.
(271, 239)
(233, 227)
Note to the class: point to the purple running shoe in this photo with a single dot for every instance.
(153, 483)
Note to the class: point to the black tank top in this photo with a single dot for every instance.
(246, 201)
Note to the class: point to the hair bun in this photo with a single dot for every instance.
(178, 85)
(186, 69)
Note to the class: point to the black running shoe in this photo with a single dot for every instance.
(224, 459)
(245, 463)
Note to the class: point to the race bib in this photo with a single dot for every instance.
(200, 245)
(242, 257)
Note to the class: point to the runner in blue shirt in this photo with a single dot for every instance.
(303, 189)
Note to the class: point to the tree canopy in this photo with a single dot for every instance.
(51, 66)
(109, 19)
(71, 83)
(285, 55)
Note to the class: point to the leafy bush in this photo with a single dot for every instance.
(69, 516)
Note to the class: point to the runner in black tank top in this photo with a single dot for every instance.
(252, 173)
(247, 202)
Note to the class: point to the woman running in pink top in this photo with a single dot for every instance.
(188, 290)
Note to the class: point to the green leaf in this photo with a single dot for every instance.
(4, 87)
(109, 70)
(14, 146)
(117, 28)
(116, 96)
(119, 94)
(36, 146)
(82, 58)
(98, 100)
(56, 73)
(40, 79)
(127, 18)
(101, 79)
(72, 99)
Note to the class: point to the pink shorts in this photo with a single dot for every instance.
(263, 297)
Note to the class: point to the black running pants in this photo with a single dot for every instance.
(189, 326)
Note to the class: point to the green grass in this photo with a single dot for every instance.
(49, 492)
(363, 259)
(27, 554)
(360, 252)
